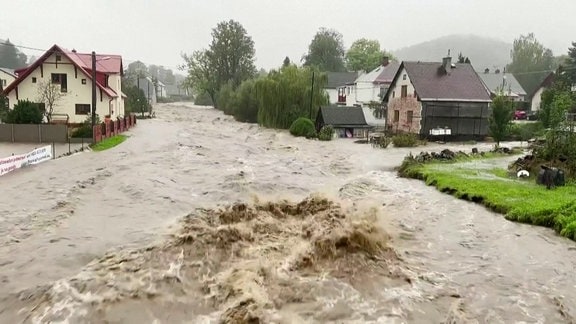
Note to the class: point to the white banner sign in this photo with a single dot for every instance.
(14, 162)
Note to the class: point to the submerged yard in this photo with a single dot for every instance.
(520, 200)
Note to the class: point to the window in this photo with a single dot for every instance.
(60, 78)
(404, 93)
(82, 109)
(410, 116)
(34, 80)
(58, 57)
(3, 82)
(393, 94)
(83, 81)
(396, 116)
(404, 76)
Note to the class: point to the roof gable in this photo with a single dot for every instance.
(432, 83)
(381, 74)
(337, 79)
(349, 116)
(75, 59)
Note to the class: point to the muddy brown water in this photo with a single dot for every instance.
(84, 239)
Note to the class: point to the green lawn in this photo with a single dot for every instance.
(519, 200)
(109, 143)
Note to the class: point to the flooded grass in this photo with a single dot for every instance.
(518, 199)
(109, 143)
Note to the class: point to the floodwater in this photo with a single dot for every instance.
(140, 234)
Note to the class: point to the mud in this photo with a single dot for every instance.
(115, 236)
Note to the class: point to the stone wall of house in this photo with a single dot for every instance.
(399, 111)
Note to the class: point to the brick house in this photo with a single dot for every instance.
(426, 96)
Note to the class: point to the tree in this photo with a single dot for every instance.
(571, 63)
(365, 55)
(326, 51)
(529, 55)
(24, 112)
(10, 56)
(501, 117)
(136, 99)
(286, 61)
(50, 94)
(463, 59)
(201, 78)
(229, 58)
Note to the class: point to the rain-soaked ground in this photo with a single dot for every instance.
(83, 238)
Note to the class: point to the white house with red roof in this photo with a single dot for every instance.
(71, 71)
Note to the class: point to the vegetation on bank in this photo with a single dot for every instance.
(108, 143)
(520, 200)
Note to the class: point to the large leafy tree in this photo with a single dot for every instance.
(10, 56)
(529, 55)
(229, 59)
(501, 118)
(365, 55)
(571, 63)
(326, 51)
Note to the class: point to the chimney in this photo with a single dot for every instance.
(385, 61)
(497, 71)
(73, 50)
(486, 71)
(447, 63)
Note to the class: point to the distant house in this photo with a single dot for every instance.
(347, 121)
(371, 86)
(426, 96)
(146, 84)
(176, 90)
(6, 77)
(535, 83)
(71, 72)
(161, 89)
(504, 83)
(336, 85)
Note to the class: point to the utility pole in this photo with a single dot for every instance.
(311, 95)
(93, 89)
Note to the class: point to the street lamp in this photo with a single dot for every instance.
(94, 85)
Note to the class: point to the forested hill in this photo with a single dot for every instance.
(483, 52)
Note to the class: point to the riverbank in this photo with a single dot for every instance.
(521, 200)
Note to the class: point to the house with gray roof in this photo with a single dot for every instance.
(347, 122)
(504, 83)
(436, 98)
(337, 82)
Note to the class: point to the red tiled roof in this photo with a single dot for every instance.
(108, 64)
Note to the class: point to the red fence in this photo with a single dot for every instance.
(110, 128)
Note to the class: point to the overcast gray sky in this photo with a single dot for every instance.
(157, 31)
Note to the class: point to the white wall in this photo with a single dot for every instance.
(77, 93)
(537, 99)
(5, 79)
(402, 80)
(333, 94)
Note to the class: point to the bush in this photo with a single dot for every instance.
(382, 142)
(226, 99)
(85, 131)
(25, 112)
(203, 99)
(326, 133)
(405, 140)
(246, 109)
(303, 127)
(526, 131)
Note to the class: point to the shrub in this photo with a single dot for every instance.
(203, 99)
(303, 127)
(25, 112)
(326, 133)
(227, 99)
(382, 142)
(405, 140)
(85, 131)
(246, 109)
(526, 131)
